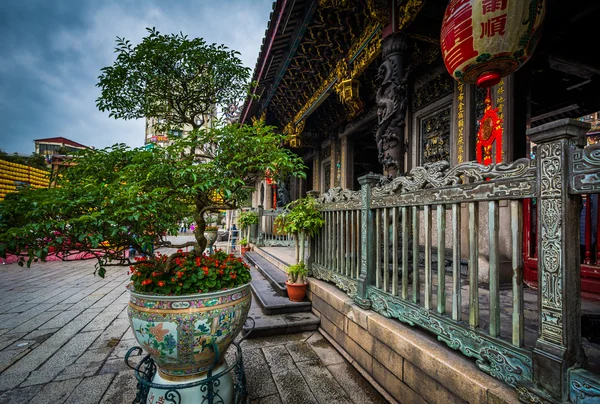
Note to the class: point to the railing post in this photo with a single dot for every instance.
(558, 346)
(311, 246)
(259, 227)
(367, 237)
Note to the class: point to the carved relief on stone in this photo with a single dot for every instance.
(439, 174)
(586, 169)
(391, 100)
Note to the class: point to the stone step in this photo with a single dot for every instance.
(277, 315)
(275, 276)
(271, 302)
(276, 261)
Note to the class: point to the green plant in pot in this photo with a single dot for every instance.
(244, 247)
(246, 220)
(119, 199)
(302, 220)
(296, 283)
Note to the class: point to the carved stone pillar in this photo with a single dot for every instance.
(558, 346)
(367, 238)
(392, 100)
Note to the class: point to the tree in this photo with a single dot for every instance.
(119, 197)
(177, 80)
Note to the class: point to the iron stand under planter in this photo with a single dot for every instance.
(145, 371)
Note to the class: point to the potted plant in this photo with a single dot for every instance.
(296, 283)
(301, 220)
(244, 247)
(119, 198)
(247, 220)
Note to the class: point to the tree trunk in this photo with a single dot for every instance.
(301, 241)
(200, 227)
(297, 245)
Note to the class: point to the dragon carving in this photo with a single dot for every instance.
(391, 100)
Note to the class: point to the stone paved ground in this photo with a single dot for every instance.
(64, 333)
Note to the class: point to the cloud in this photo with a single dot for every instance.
(53, 53)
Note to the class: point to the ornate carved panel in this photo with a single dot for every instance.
(586, 170)
(346, 284)
(432, 90)
(435, 136)
(503, 361)
(438, 182)
(326, 152)
(550, 254)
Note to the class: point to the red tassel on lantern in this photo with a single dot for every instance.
(489, 135)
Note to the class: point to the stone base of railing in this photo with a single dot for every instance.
(405, 361)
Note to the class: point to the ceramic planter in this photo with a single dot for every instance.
(296, 291)
(245, 249)
(177, 331)
(211, 237)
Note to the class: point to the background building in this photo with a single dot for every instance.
(57, 145)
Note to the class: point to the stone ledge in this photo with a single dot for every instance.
(455, 372)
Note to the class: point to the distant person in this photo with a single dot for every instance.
(234, 235)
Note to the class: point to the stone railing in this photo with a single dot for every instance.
(398, 247)
(268, 235)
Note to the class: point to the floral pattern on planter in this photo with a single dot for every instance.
(179, 337)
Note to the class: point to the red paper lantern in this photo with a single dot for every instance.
(485, 40)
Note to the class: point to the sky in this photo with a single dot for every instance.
(51, 53)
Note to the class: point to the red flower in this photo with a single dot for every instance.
(161, 283)
(233, 275)
(146, 282)
(180, 251)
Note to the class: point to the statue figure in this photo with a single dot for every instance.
(283, 195)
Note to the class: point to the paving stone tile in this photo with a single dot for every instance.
(293, 388)
(90, 390)
(274, 399)
(36, 321)
(11, 380)
(55, 392)
(49, 347)
(40, 335)
(7, 340)
(62, 358)
(360, 390)
(121, 390)
(324, 350)
(61, 319)
(322, 383)
(259, 382)
(19, 307)
(275, 340)
(20, 396)
(301, 351)
(118, 365)
(278, 359)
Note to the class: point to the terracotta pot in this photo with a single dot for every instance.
(244, 250)
(177, 331)
(296, 291)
